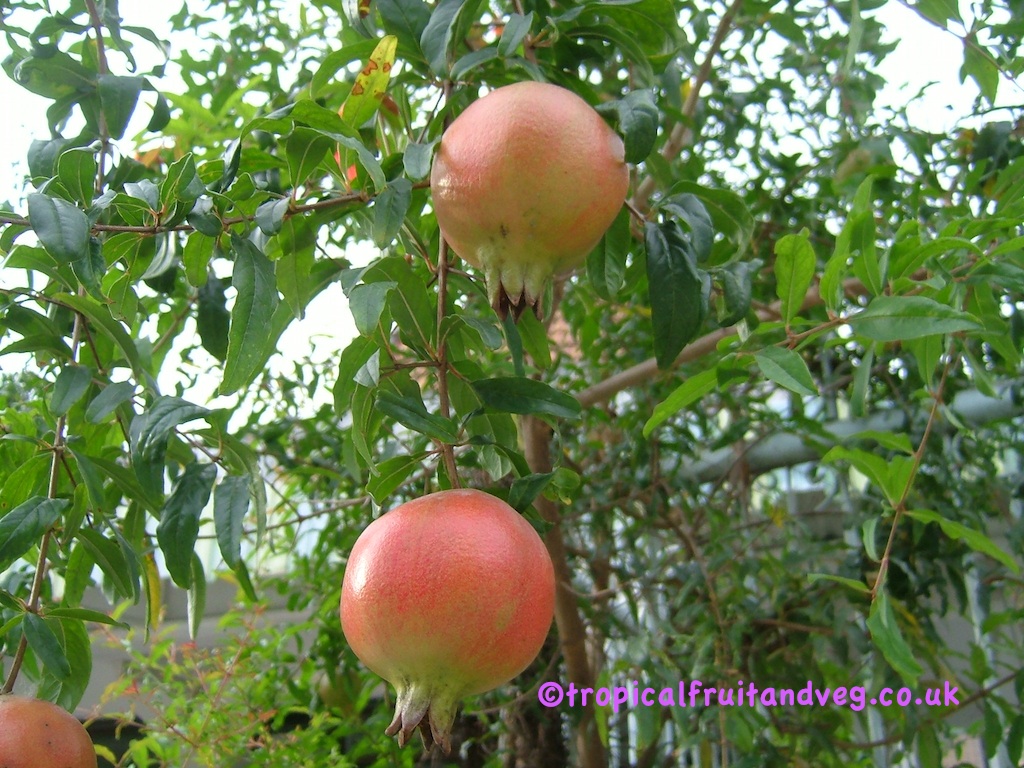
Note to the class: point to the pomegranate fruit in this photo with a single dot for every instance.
(525, 182)
(38, 734)
(445, 596)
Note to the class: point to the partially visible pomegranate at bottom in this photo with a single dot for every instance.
(38, 734)
(446, 596)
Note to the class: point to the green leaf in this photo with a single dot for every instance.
(638, 119)
(436, 38)
(178, 529)
(389, 209)
(195, 598)
(85, 614)
(161, 419)
(516, 29)
(391, 473)
(256, 300)
(63, 229)
(888, 638)
(899, 318)
(407, 20)
(729, 214)
(411, 413)
(853, 584)
(417, 159)
(71, 384)
(606, 264)
(305, 149)
(366, 301)
(118, 96)
(686, 394)
(786, 368)
(525, 490)
(976, 540)
(737, 281)
(24, 526)
(980, 67)
(794, 269)
(231, 500)
(526, 396)
(74, 642)
(108, 401)
(111, 560)
(46, 646)
(213, 321)
(102, 320)
(182, 183)
(691, 211)
(675, 290)
(76, 169)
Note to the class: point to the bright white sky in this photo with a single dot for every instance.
(924, 55)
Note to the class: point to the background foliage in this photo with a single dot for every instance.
(770, 432)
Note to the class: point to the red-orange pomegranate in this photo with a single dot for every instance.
(446, 596)
(525, 183)
(38, 734)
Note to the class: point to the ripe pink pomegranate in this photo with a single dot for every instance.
(445, 596)
(525, 183)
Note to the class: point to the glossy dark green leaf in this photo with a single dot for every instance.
(413, 414)
(76, 169)
(178, 529)
(270, 215)
(231, 500)
(737, 280)
(195, 598)
(76, 648)
(118, 96)
(888, 638)
(526, 396)
(46, 647)
(436, 39)
(256, 300)
(161, 419)
(306, 149)
(638, 119)
(24, 526)
(525, 490)
(407, 20)
(689, 209)
(102, 321)
(366, 301)
(85, 614)
(606, 264)
(71, 384)
(729, 214)
(63, 229)
(899, 318)
(213, 321)
(110, 558)
(389, 209)
(182, 183)
(675, 290)
(417, 159)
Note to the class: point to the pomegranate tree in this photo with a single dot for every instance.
(445, 596)
(39, 734)
(525, 183)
